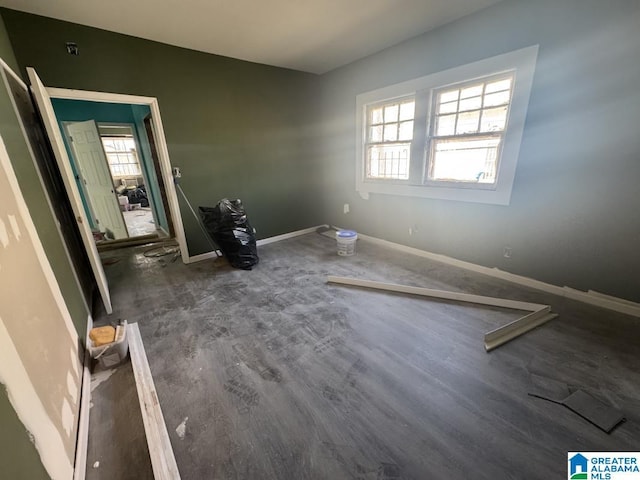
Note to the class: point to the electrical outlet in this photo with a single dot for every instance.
(346, 208)
(413, 230)
(506, 252)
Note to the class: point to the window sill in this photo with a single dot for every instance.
(496, 196)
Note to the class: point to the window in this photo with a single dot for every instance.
(467, 127)
(122, 156)
(451, 135)
(389, 135)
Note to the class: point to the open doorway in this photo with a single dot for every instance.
(115, 170)
(43, 97)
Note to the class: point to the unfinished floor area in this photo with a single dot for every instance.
(274, 374)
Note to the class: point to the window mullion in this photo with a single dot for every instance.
(420, 125)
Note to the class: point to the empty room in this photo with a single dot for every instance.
(319, 240)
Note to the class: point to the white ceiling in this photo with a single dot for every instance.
(308, 35)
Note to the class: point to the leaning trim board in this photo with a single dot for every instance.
(162, 459)
(538, 315)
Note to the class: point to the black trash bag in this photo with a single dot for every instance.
(227, 224)
(138, 195)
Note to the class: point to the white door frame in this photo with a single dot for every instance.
(43, 101)
(161, 145)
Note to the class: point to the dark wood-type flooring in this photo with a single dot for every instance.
(277, 375)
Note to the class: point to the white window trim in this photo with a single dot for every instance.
(522, 62)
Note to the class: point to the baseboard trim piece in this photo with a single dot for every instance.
(82, 444)
(593, 298)
(285, 236)
(604, 296)
(162, 458)
(618, 305)
(442, 294)
(202, 256)
(260, 243)
(522, 325)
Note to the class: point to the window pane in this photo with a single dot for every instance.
(465, 160)
(122, 156)
(467, 122)
(406, 131)
(407, 110)
(499, 98)
(472, 91)
(472, 103)
(376, 115)
(445, 125)
(499, 85)
(391, 132)
(449, 96)
(375, 134)
(449, 107)
(494, 119)
(388, 161)
(391, 113)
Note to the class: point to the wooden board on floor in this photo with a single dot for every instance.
(160, 450)
(539, 315)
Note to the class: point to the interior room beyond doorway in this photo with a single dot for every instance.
(123, 159)
(112, 159)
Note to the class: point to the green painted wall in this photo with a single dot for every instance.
(573, 218)
(236, 129)
(19, 459)
(6, 50)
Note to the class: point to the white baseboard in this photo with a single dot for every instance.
(608, 302)
(613, 299)
(202, 256)
(264, 241)
(591, 297)
(82, 443)
(285, 236)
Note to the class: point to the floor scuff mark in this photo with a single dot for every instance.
(100, 377)
(182, 428)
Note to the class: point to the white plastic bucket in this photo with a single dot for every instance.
(346, 242)
(114, 353)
